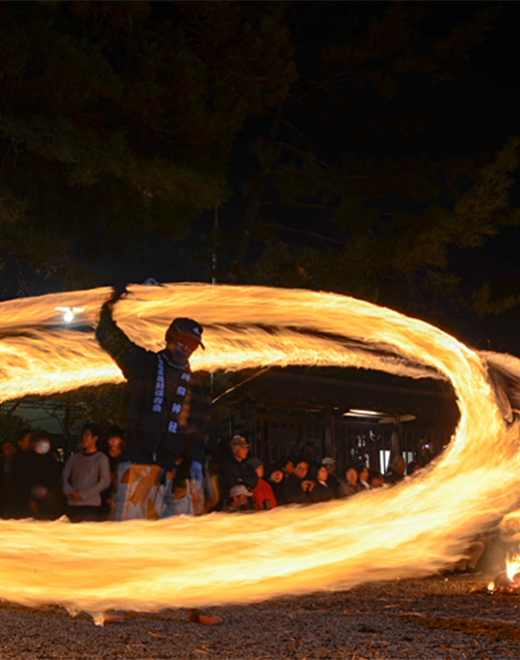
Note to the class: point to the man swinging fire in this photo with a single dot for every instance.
(168, 424)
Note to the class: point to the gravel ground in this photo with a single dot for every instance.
(441, 617)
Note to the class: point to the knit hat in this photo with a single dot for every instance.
(255, 462)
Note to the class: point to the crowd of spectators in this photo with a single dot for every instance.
(167, 464)
(248, 484)
(36, 483)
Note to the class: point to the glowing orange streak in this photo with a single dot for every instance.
(39, 353)
(411, 530)
(512, 567)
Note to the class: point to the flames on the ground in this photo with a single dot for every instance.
(413, 529)
(509, 580)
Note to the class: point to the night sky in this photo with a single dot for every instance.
(475, 114)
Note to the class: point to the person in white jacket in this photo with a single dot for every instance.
(85, 476)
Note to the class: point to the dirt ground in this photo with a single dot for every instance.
(449, 616)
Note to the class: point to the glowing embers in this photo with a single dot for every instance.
(507, 582)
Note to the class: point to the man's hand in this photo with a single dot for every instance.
(118, 291)
(77, 496)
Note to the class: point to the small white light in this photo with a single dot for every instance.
(68, 313)
(353, 412)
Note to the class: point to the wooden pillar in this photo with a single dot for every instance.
(330, 434)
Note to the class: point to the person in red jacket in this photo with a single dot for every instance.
(263, 496)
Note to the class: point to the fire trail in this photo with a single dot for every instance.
(413, 529)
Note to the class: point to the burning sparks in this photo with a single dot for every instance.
(413, 529)
(508, 581)
(512, 567)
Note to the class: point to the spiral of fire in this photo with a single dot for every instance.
(413, 529)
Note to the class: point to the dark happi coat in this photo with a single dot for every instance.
(168, 410)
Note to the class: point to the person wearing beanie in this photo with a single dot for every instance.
(263, 496)
(275, 479)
